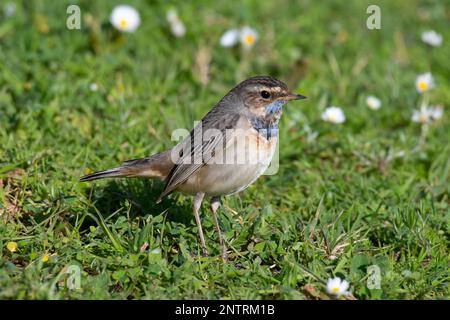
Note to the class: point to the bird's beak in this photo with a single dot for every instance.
(294, 96)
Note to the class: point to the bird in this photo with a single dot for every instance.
(225, 152)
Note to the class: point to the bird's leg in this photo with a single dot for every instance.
(197, 203)
(215, 204)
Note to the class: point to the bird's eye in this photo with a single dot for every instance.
(265, 94)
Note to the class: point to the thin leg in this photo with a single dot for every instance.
(215, 204)
(196, 206)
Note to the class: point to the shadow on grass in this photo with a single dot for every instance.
(142, 194)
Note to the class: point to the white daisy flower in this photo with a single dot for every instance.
(125, 18)
(373, 102)
(230, 38)
(248, 37)
(424, 115)
(337, 287)
(172, 16)
(333, 114)
(178, 29)
(93, 87)
(424, 82)
(176, 25)
(432, 38)
(437, 112)
(10, 9)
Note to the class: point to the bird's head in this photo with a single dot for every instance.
(264, 95)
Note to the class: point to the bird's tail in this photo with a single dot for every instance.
(157, 166)
(110, 173)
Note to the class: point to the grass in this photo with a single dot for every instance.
(372, 191)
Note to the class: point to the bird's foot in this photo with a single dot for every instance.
(205, 252)
(225, 256)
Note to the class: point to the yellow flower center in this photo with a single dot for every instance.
(423, 86)
(45, 258)
(335, 290)
(423, 118)
(123, 23)
(333, 118)
(249, 39)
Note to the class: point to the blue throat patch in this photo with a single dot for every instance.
(275, 107)
(268, 125)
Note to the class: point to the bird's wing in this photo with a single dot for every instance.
(198, 154)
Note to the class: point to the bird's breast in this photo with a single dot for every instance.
(245, 157)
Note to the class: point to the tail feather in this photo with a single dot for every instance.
(110, 173)
(156, 166)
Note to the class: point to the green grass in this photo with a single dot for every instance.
(372, 191)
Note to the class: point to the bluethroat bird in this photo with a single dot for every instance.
(225, 152)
